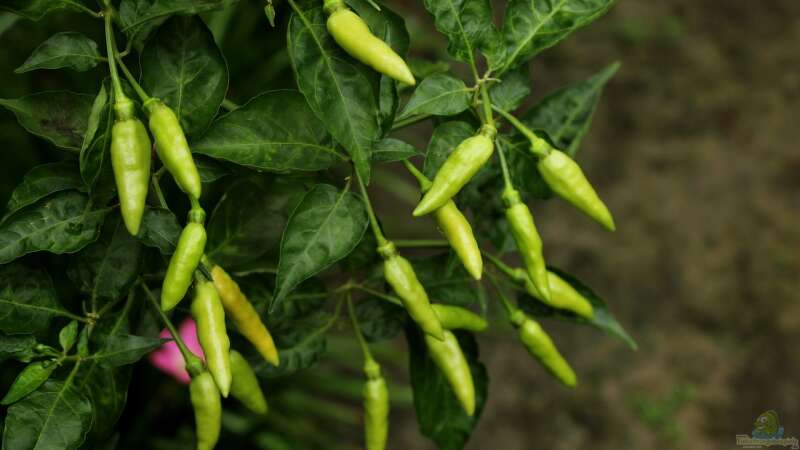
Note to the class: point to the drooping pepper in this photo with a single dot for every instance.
(401, 276)
(244, 315)
(207, 410)
(210, 317)
(562, 294)
(172, 147)
(376, 407)
(130, 160)
(520, 220)
(244, 386)
(565, 178)
(458, 169)
(184, 261)
(458, 318)
(450, 359)
(354, 36)
(542, 348)
(455, 228)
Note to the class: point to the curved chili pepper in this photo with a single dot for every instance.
(207, 410)
(450, 359)
(172, 147)
(210, 317)
(520, 220)
(244, 385)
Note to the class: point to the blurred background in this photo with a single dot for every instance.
(694, 147)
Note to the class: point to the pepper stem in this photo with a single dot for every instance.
(193, 364)
(357, 329)
(509, 185)
(132, 80)
(424, 182)
(373, 220)
(111, 54)
(539, 146)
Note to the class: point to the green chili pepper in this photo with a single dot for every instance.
(562, 294)
(528, 241)
(565, 178)
(244, 315)
(207, 410)
(455, 228)
(401, 276)
(354, 36)
(450, 359)
(172, 147)
(376, 407)
(130, 159)
(210, 317)
(244, 386)
(458, 169)
(541, 347)
(182, 265)
(458, 318)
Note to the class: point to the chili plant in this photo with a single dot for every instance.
(291, 234)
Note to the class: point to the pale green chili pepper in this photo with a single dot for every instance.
(562, 294)
(520, 220)
(450, 359)
(542, 348)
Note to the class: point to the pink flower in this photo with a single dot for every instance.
(168, 359)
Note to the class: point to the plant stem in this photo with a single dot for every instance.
(504, 166)
(509, 307)
(230, 105)
(373, 221)
(409, 121)
(192, 361)
(111, 53)
(487, 104)
(357, 330)
(421, 243)
(535, 140)
(157, 188)
(424, 182)
(132, 80)
(506, 269)
(381, 295)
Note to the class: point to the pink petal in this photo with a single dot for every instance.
(168, 358)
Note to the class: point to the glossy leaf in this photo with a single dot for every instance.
(603, 318)
(446, 283)
(337, 90)
(95, 156)
(391, 149)
(68, 335)
(42, 181)
(36, 9)
(182, 66)
(468, 26)
(441, 418)
(106, 269)
(27, 300)
(380, 320)
(63, 223)
(439, 95)
(20, 348)
(56, 416)
(300, 342)
(515, 86)
(139, 17)
(324, 228)
(58, 116)
(124, 349)
(531, 27)
(249, 220)
(31, 377)
(160, 229)
(567, 113)
(275, 131)
(70, 50)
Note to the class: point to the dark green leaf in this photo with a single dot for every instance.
(275, 131)
(63, 223)
(183, 66)
(42, 181)
(31, 377)
(390, 150)
(444, 140)
(324, 228)
(299, 342)
(67, 335)
(440, 95)
(210, 169)
(69, 49)
(468, 26)
(27, 300)
(124, 349)
(21, 348)
(380, 320)
(531, 27)
(59, 116)
(160, 229)
(107, 389)
(567, 113)
(337, 90)
(249, 220)
(441, 418)
(36, 9)
(513, 89)
(603, 319)
(138, 17)
(56, 416)
(445, 282)
(95, 156)
(106, 268)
